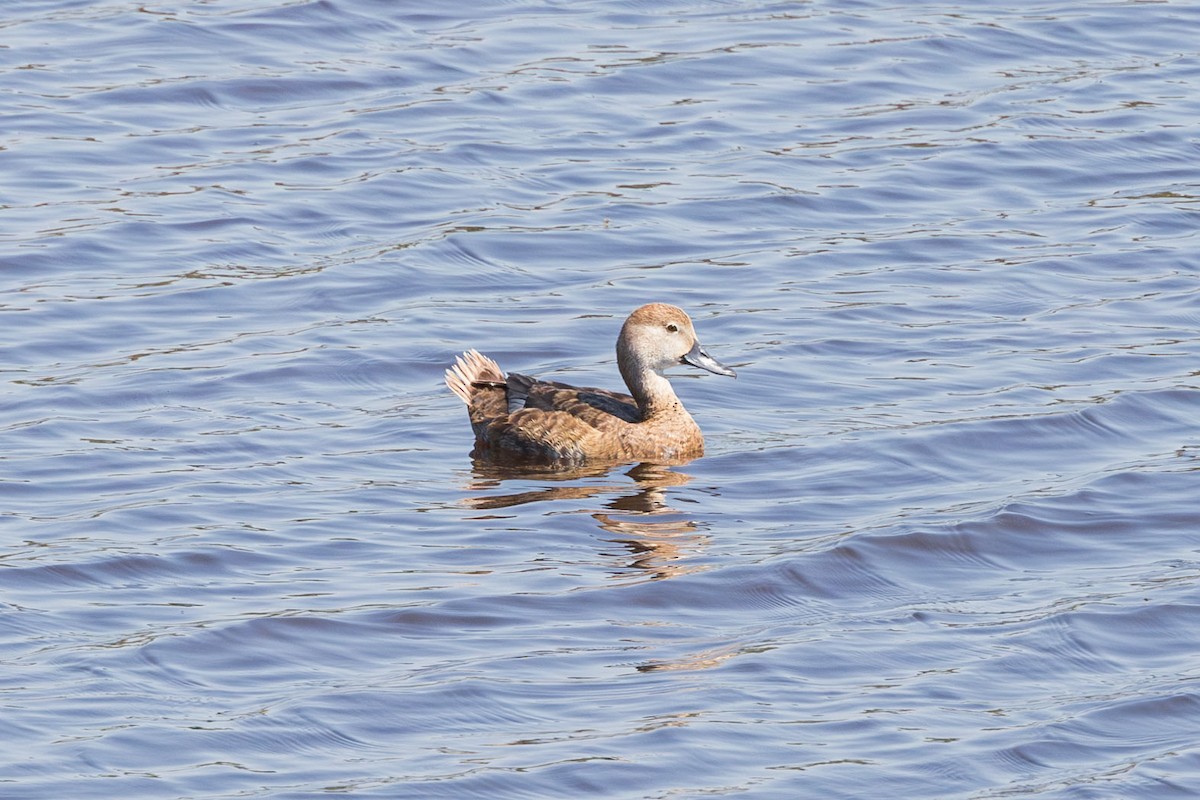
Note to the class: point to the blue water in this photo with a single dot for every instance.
(946, 539)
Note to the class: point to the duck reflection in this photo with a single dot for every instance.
(658, 539)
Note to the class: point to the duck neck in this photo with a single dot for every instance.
(651, 391)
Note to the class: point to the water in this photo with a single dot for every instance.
(944, 543)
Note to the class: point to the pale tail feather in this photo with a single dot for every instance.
(469, 369)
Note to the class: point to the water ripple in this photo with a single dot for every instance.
(944, 539)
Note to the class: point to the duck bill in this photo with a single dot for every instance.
(697, 357)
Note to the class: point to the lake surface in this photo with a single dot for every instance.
(945, 542)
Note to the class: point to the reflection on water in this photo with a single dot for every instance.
(660, 538)
(706, 659)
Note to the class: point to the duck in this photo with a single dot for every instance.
(516, 417)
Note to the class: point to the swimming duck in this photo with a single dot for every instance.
(527, 419)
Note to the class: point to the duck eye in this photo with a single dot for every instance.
(672, 327)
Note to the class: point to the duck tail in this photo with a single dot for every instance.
(470, 370)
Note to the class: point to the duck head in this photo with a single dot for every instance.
(657, 336)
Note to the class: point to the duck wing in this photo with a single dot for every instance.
(594, 406)
(556, 422)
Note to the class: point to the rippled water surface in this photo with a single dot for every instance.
(946, 539)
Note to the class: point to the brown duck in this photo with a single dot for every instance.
(523, 418)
